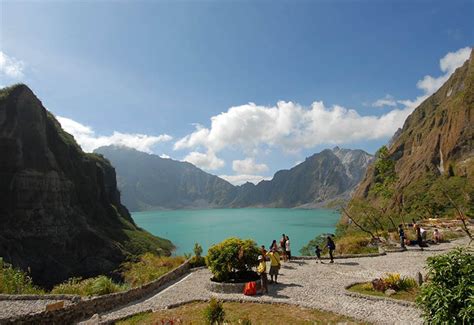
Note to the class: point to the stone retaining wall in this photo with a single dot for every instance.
(86, 308)
(72, 298)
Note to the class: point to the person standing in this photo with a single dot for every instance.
(273, 245)
(263, 251)
(318, 253)
(401, 233)
(331, 246)
(419, 239)
(288, 248)
(283, 247)
(274, 264)
(262, 271)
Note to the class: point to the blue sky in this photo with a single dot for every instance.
(163, 69)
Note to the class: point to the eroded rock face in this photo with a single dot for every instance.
(437, 135)
(60, 210)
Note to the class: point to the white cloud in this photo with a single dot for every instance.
(207, 160)
(242, 179)
(165, 156)
(290, 127)
(388, 100)
(448, 64)
(88, 140)
(11, 67)
(248, 166)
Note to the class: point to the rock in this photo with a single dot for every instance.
(60, 209)
(390, 292)
(419, 278)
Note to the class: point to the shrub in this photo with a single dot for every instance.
(14, 281)
(231, 255)
(354, 244)
(310, 247)
(97, 286)
(197, 250)
(394, 281)
(148, 268)
(448, 296)
(214, 313)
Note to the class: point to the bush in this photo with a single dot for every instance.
(230, 256)
(214, 313)
(448, 296)
(197, 250)
(394, 281)
(148, 268)
(14, 281)
(354, 244)
(97, 286)
(310, 247)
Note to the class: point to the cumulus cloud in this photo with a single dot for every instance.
(388, 100)
(242, 179)
(165, 156)
(208, 160)
(11, 67)
(290, 126)
(89, 140)
(429, 84)
(248, 166)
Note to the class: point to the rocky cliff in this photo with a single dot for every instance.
(60, 210)
(436, 139)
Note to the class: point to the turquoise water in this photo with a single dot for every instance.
(207, 227)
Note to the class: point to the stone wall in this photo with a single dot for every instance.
(86, 308)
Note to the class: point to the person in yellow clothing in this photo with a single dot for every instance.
(274, 264)
(262, 271)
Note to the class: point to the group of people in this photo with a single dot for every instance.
(420, 236)
(273, 255)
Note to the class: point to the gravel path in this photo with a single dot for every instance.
(309, 284)
(9, 308)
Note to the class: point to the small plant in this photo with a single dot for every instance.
(394, 281)
(197, 250)
(97, 286)
(245, 321)
(14, 281)
(214, 313)
(149, 267)
(448, 297)
(230, 256)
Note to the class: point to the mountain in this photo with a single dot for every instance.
(436, 144)
(325, 176)
(150, 182)
(60, 210)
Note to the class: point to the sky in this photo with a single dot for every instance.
(239, 88)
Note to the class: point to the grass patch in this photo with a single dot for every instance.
(237, 313)
(148, 268)
(14, 281)
(367, 289)
(97, 286)
(355, 243)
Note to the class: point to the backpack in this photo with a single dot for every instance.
(250, 288)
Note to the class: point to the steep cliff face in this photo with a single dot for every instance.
(437, 138)
(325, 176)
(60, 210)
(150, 182)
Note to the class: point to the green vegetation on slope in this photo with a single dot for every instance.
(14, 281)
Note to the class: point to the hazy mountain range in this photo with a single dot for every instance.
(148, 181)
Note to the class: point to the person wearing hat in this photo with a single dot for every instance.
(262, 271)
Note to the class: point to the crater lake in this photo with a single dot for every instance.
(210, 226)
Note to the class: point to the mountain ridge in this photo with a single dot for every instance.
(263, 194)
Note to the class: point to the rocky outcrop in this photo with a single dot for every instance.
(437, 138)
(60, 210)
